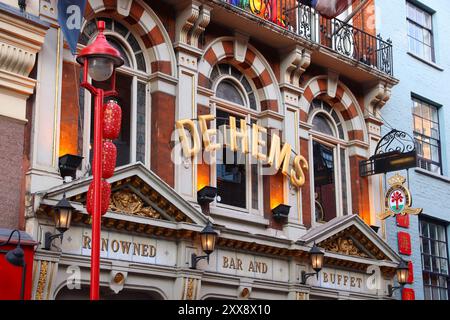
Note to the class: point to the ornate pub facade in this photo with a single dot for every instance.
(316, 83)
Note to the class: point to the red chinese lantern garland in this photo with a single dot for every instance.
(109, 159)
(112, 120)
(106, 195)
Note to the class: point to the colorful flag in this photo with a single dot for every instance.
(329, 8)
(70, 18)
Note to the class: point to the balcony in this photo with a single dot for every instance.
(327, 37)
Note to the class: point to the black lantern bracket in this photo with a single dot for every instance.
(395, 151)
(49, 237)
(195, 259)
(305, 276)
(392, 289)
(65, 205)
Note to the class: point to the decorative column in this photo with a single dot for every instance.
(190, 24)
(45, 270)
(293, 64)
(21, 38)
(44, 144)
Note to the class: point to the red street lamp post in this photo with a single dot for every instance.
(99, 61)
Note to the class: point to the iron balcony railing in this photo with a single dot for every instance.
(335, 34)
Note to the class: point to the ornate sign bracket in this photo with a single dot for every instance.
(395, 151)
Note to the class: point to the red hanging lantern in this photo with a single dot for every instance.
(112, 120)
(109, 159)
(106, 195)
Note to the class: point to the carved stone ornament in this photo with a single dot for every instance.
(127, 202)
(344, 246)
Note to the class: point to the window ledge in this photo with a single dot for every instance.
(433, 175)
(238, 215)
(431, 64)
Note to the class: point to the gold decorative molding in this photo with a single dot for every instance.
(127, 202)
(42, 280)
(302, 296)
(190, 289)
(344, 246)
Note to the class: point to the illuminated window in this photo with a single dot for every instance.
(427, 136)
(330, 189)
(237, 174)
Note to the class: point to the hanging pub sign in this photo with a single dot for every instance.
(398, 199)
(395, 151)
(238, 139)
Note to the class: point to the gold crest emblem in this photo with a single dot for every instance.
(398, 199)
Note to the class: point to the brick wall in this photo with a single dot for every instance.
(11, 152)
(163, 124)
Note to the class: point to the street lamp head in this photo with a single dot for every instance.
(101, 57)
(402, 273)
(208, 239)
(63, 215)
(16, 256)
(316, 256)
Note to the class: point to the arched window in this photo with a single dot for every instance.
(330, 189)
(237, 174)
(227, 90)
(232, 82)
(131, 84)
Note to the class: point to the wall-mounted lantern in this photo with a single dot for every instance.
(317, 257)
(208, 237)
(402, 278)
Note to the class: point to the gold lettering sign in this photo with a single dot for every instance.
(341, 279)
(279, 156)
(124, 247)
(236, 264)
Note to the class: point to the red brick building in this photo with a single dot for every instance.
(316, 83)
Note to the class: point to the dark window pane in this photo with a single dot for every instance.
(227, 90)
(321, 124)
(120, 29)
(324, 182)
(133, 43)
(140, 128)
(231, 173)
(140, 61)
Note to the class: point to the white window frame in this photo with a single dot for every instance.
(248, 114)
(337, 145)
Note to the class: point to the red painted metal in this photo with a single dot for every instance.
(99, 48)
(11, 276)
(404, 243)
(403, 221)
(408, 294)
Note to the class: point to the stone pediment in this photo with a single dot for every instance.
(136, 193)
(349, 236)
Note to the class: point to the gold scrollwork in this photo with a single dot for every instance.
(345, 246)
(127, 202)
(42, 280)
